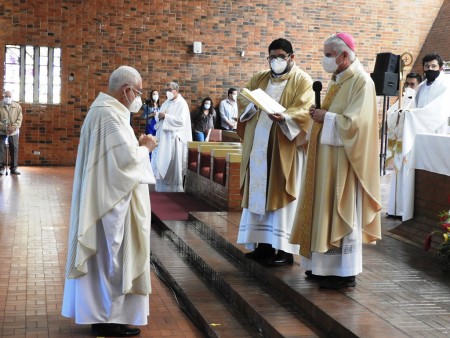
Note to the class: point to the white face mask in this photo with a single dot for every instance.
(136, 104)
(409, 92)
(329, 64)
(7, 100)
(169, 95)
(207, 106)
(155, 97)
(234, 96)
(278, 66)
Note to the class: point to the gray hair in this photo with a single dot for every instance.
(124, 75)
(173, 85)
(339, 46)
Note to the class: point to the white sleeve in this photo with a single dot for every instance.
(330, 135)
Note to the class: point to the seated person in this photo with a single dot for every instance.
(203, 120)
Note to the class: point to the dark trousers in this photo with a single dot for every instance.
(13, 151)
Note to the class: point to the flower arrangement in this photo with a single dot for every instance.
(443, 249)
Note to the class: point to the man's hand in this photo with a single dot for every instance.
(161, 115)
(318, 115)
(10, 129)
(277, 117)
(148, 141)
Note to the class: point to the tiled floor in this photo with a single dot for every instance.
(34, 216)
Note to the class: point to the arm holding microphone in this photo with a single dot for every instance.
(317, 114)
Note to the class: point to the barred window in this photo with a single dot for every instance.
(33, 73)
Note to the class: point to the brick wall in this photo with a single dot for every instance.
(156, 37)
(438, 39)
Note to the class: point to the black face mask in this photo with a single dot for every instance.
(432, 75)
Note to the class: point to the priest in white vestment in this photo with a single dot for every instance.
(173, 131)
(430, 115)
(340, 205)
(272, 157)
(108, 261)
(395, 121)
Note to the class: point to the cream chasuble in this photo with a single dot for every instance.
(108, 266)
(346, 190)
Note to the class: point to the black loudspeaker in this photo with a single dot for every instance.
(385, 83)
(387, 62)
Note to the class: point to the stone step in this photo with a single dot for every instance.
(336, 312)
(201, 303)
(265, 308)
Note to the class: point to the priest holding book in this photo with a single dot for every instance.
(273, 154)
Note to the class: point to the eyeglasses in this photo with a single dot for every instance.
(278, 57)
(169, 90)
(138, 91)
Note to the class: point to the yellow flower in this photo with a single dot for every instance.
(446, 237)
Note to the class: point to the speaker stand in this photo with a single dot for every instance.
(383, 146)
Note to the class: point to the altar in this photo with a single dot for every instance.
(429, 167)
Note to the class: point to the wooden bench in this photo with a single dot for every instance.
(204, 156)
(193, 152)
(219, 163)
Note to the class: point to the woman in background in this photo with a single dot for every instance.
(203, 120)
(151, 108)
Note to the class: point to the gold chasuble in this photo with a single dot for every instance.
(326, 211)
(297, 97)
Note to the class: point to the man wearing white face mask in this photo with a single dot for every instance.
(340, 205)
(173, 131)
(10, 122)
(229, 111)
(108, 267)
(272, 157)
(395, 123)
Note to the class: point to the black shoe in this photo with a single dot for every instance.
(281, 258)
(337, 282)
(263, 251)
(393, 216)
(114, 330)
(311, 276)
(15, 172)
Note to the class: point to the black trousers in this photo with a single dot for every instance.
(13, 146)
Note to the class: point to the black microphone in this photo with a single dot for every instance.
(317, 87)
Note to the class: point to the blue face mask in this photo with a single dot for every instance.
(207, 106)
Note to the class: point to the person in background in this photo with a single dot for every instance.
(203, 120)
(395, 122)
(173, 131)
(10, 123)
(273, 156)
(429, 115)
(228, 110)
(340, 204)
(151, 108)
(108, 260)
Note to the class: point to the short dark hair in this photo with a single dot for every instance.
(432, 56)
(231, 90)
(414, 75)
(281, 44)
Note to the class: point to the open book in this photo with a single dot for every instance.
(259, 98)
